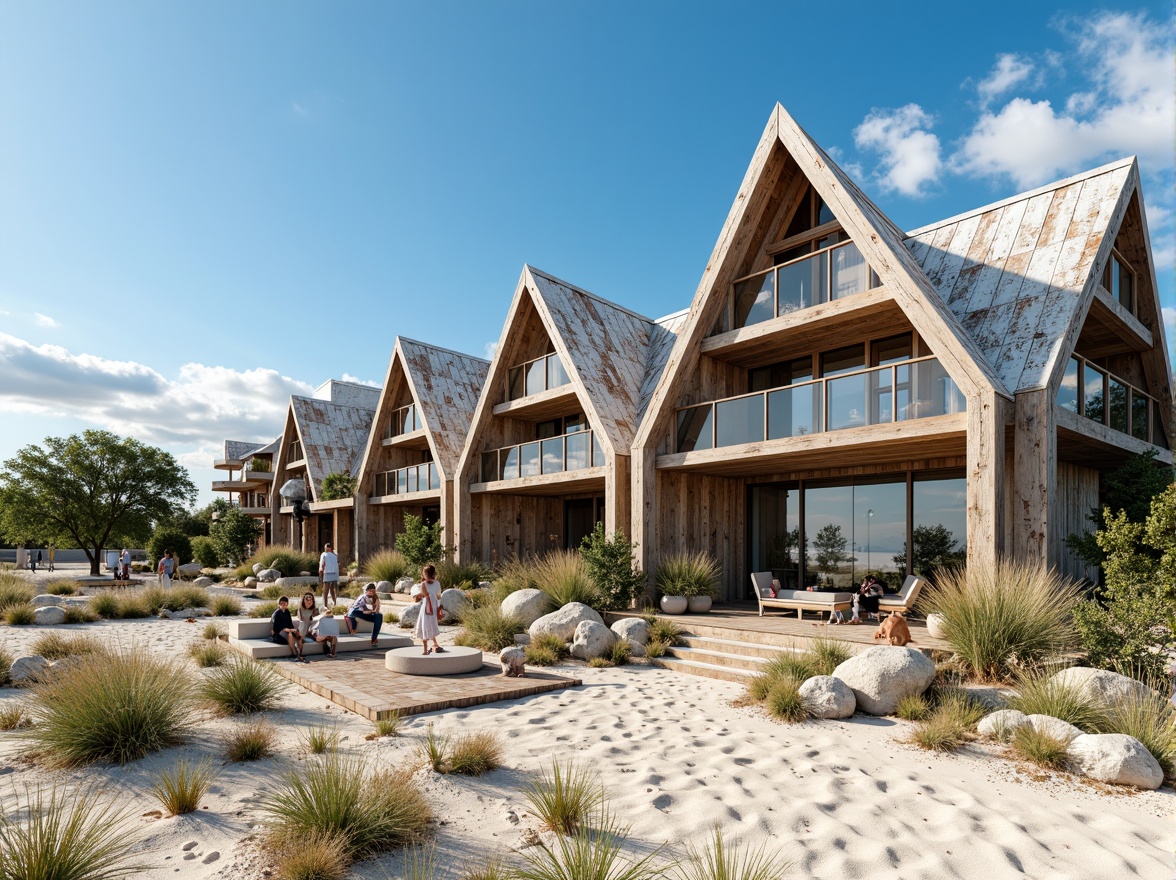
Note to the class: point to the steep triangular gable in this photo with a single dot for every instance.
(1020, 274)
(445, 385)
(333, 437)
(879, 241)
(662, 337)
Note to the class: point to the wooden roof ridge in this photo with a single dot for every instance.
(334, 436)
(436, 347)
(1019, 197)
(587, 293)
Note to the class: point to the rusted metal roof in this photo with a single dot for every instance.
(268, 449)
(1014, 273)
(333, 435)
(235, 450)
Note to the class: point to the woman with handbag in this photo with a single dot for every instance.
(427, 621)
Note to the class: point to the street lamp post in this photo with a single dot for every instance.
(869, 516)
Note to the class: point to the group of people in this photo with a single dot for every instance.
(865, 600)
(310, 626)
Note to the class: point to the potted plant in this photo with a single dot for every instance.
(687, 580)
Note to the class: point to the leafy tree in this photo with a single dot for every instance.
(610, 567)
(829, 545)
(169, 538)
(1133, 623)
(232, 532)
(196, 523)
(337, 486)
(935, 547)
(420, 544)
(1129, 488)
(93, 490)
(204, 552)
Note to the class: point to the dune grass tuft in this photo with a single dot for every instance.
(662, 630)
(784, 702)
(620, 652)
(208, 654)
(589, 853)
(913, 707)
(564, 800)
(656, 648)
(5, 666)
(320, 740)
(489, 629)
(56, 645)
(181, 787)
(13, 715)
(516, 574)
(826, 654)
(563, 577)
(386, 726)
(546, 650)
(63, 588)
(242, 686)
(387, 565)
(718, 860)
(72, 836)
(1040, 693)
(1040, 748)
(311, 856)
(212, 631)
(251, 742)
(176, 599)
(20, 615)
(14, 590)
(117, 705)
(951, 722)
(475, 752)
(266, 609)
(1150, 719)
(75, 614)
(225, 606)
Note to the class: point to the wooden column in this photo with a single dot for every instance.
(449, 517)
(617, 500)
(986, 477)
(463, 521)
(1035, 457)
(644, 512)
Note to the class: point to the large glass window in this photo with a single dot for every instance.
(843, 360)
(1119, 281)
(1068, 390)
(828, 536)
(775, 533)
(850, 273)
(801, 284)
(739, 421)
(695, 428)
(939, 526)
(794, 412)
(879, 532)
(753, 300)
(1093, 403)
(1118, 401)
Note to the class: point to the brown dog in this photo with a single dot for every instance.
(894, 629)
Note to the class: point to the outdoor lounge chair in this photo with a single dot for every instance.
(800, 600)
(905, 599)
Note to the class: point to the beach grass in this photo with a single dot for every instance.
(1040, 748)
(212, 631)
(951, 722)
(386, 565)
(208, 654)
(225, 606)
(251, 742)
(386, 726)
(546, 650)
(6, 659)
(784, 702)
(266, 609)
(593, 853)
(718, 860)
(320, 740)
(14, 591)
(1150, 719)
(474, 753)
(489, 629)
(20, 615)
(310, 856)
(662, 630)
(913, 707)
(75, 614)
(1040, 693)
(564, 799)
(56, 645)
(242, 686)
(12, 715)
(563, 577)
(181, 787)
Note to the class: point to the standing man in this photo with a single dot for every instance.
(126, 565)
(51, 549)
(329, 576)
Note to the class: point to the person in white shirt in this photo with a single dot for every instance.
(329, 576)
(126, 565)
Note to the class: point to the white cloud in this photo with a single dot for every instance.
(45, 321)
(193, 413)
(1127, 108)
(910, 155)
(489, 350)
(347, 377)
(1008, 72)
(1169, 317)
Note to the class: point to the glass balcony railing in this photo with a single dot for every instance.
(541, 374)
(914, 389)
(553, 455)
(826, 275)
(403, 421)
(417, 478)
(1105, 398)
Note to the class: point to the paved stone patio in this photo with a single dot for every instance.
(359, 682)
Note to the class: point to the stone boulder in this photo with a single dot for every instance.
(828, 697)
(268, 575)
(527, 605)
(1055, 727)
(633, 630)
(251, 582)
(409, 615)
(190, 568)
(384, 587)
(203, 582)
(1103, 686)
(1002, 724)
(257, 566)
(514, 662)
(49, 615)
(881, 676)
(562, 623)
(455, 603)
(404, 584)
(592, 639)
(1116, 758)
(26, 670)
(185, 613)
(45, 601)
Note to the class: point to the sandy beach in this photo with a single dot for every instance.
(840, 799)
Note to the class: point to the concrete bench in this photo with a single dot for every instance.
(252, 638)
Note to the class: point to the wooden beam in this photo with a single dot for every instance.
(986, 477)
(1124, 325)
(562, 483)
(616, 496)
(545, 404)
(1034, 468)
(1102, 434)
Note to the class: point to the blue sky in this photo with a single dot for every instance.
(206, 207)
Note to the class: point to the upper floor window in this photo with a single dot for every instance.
(1119, 280)
(532, 377)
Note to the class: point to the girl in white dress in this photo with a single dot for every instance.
(426, 626)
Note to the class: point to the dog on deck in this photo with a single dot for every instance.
(894, 630)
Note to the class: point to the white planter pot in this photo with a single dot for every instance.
(699, 604)
(935, 626)
(674, 604)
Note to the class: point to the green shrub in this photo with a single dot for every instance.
(242, 686)
(563, 576)
(67, 837)
(1150, 719)
(169, 538)
(56, 645)
(204, 552)
(288, 562)
(662, 630)
(420, 544)
(688, 574)
(454, 574)
(117, 705)
(63, 588)
(208, 654)
(1040, 748)
(612, 568)
(718, 861)
(337, 486)
(387, 565)
(998, 615)
(368, 810)
(232, 533)
(489, 629)
(566, 799)
(266, 609)
(20, 615)
(225, 606)
(784, 701)
(1040, 693)
(250, 742)
(181, 787)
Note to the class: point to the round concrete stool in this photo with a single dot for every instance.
(451, 661)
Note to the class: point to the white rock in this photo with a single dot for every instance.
(935, 625)
(25, 670)
(49, 615)
(268, 575)
(404, 584)
(455, 604)
(1116, 758)
(257, 566)
(408, 617)
(592, 639)
(633, 630)
(1002, 724)
(563, 623)
(202, 582)
(828, 697)
(881, 676)
(190, 568)
(1103, 686)
(527, 605)
(384, 587)
(251, 582)
(1055, 727)
(514, 662)
(44, 601)
(185, 613)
